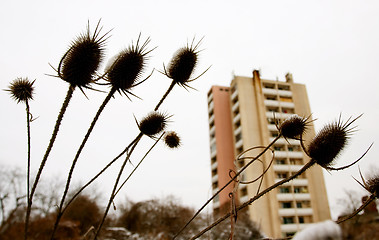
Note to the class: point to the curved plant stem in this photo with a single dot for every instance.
(365, 204)
(85, 139)
(115, 188)
(101, 172)
(143, 158)
(251, 200)
(230, 181)
(45, 157)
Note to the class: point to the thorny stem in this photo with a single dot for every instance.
(165, 95)
(85, 139)
(101, 172)
(365, 204)
(143, 158)
(122, 153)
(115, 188)
(251, 200)
(28, 119)
(48, 150)
(230, 181)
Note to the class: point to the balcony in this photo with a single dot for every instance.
(234, 95)
(291, 196)
(287, 168)
(214, 165)
(285, 212)
(214, 178)
(271, 103)
(285, 93)
(237, 118)
(235, 107)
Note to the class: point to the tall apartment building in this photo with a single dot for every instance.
(243, 116)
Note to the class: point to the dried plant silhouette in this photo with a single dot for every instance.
(323, 150)
(79, 67)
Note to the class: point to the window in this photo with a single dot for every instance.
(214, 172)
(288, 220)
(271, 120)
(274, 134)
(303, 204)
(280, 161)
(301, 219)
(239, 150)
(278, 148)
(284, 190)
(271, 97)
(215, 185)
(214, 159)
(237, 124)
(286, 204)
(281, 175)
(283, 87)
(238, 137)
(300, 189)
(272, 109)
(285, 99)
(269, 85)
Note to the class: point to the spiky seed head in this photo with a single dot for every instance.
(182, 64)
(80, 63)
(21, 89)
(329, 142)
(293, 127)
(153, 123)
(128, 66)
(172, 140)
(372, 185)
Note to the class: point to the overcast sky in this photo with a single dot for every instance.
(330, 46)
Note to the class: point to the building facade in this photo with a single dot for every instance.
(243, 116)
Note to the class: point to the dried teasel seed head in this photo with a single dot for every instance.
(183, 64)
(372, 185)
(79, 64)
(153, 123)
(329, 142)
(172, 140)
(128, 66)
(293, 127)
(21, 89)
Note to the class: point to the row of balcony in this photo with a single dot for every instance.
(283, 93)
(284, 212)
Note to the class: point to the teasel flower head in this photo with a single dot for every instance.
(293, 127)
(372, 185)
(153, 123)
(127, 67)
(172, 140)
(330, 141)
(21, 89)
(79, 64)
(183, 64)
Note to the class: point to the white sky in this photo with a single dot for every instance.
(331, 46)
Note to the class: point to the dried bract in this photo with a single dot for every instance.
(79, 64)
(329, 142)
(172, 140)
(293, 127)
(21, 89)
(153, 123)
(128, 66)
(372, 185)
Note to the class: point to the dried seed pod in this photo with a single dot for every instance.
(128, 66)
(79, 64)
(183, 64)
(329, 142)
(293, 127)
(172, 140)
(372, 185)
(21, 89)
(153, 123)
